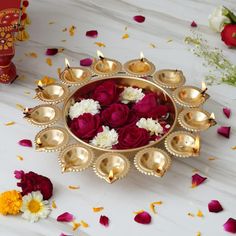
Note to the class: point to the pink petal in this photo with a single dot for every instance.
(86, 62)
(18, 174)
(25, 143)
(143, 218)
(65, 217)
(193, 24)
(197, 180)
(104, 220)
(224, 131)
(62, 234)
(139, 18)
(51, 51)
(214, 206)
(230, 225)
(227, 112)
(92, 33)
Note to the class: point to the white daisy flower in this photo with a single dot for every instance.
(150, 125)
(84, 106)
(34, 207)
(131, 94)
(105, 139)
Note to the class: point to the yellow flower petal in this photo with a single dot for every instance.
(211, 158)
(97, 209)
(46, 80)
(54, 204)
(234, 148)
(31, 54)
(76, 225)
(99, 44)
(152, 206)
(125, 36)
(49, 61)
(200, 214)
(73, 187)
(10, 123)
(20, 158)
(84, 224)
(152, 45)
(198, 233)
(20, 107)
(138, 212)
(72, 30)
(59, 71)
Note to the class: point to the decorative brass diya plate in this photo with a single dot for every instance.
(113, 164)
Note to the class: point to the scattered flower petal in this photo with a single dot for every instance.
(190, 214)
(224, 131)
(73, 187)
(169, 40)
(65, 217)
(84, 224)
(198, 233)
(20, 107)
(139, 18)
(25, 143)
(59, 71)
(51, 51)
(46, 80)
(20, 158)
(76, 225)
(18, 174)
(97, 209)
(125, 36)
(104, 220)
(10, 123)
(197, 180)
(211, 158)
(92, 33)
(72, 30)
(214, 206)
(152, 206)
(100, 44)
(86, 62)
(227, 112)
(143, 218)
(230, 225)
(49, 61)
(138, 212)
(199, 213)
(54, 204)
(234, 148)
(152, 45)
(193, 24)
(31, 54)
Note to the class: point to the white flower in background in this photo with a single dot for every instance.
(84, 106)
(131, 95)
(150, 125)
(34, 207)
(105, 139)
(217, 19)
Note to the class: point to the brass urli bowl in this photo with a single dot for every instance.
(122, 80)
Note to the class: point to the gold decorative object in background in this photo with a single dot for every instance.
(112, 165)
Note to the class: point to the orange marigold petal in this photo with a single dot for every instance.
(99, 44)
(20, 158)
(125, 36)
(73, 187)
(72, 30)
(54, 204)
(84, 224)
(48, 61)
(97, 209)
(138, 212)
(200, 214)
(211, 158)
(76, 225)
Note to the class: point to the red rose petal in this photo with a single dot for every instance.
(214, 206)
(230, 225)
(143, 218)
(86, 62)
(25, 3)
(224, 131)
(227, 112)
(139, 18)
(25, 143)
(92, 33)
(51, 51)
(104, 220)
(197, 180)
(228, 35)
(65, 217)
(18, 174)
(193, 24)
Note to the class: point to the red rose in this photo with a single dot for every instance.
(228, 35)
(33, 182)
(149, 107)
(85, 126)
(106, 93)
(132, 137)
(115, 115)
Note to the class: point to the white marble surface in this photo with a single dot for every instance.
(169, 19)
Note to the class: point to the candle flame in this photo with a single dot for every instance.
(40, 84)
(212, 116)
(204, 87)
(67, 63)
(111, 175)
(141, 56)
(100, 55)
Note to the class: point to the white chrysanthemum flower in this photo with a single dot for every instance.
(34, 207)
(84, 106)
(150, 125)
(131, 95)
(105, 139)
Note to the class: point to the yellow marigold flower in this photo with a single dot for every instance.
(10, 202)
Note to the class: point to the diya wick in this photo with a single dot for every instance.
(204, 88)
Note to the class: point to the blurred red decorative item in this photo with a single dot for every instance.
(12, 25)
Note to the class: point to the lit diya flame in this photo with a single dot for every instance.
(67, 63)
(212, 120)
(100, 55)
(111, 175)
(141, 56)
(204, 88)
(196, 147)
(40, 85)
(70, 70)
